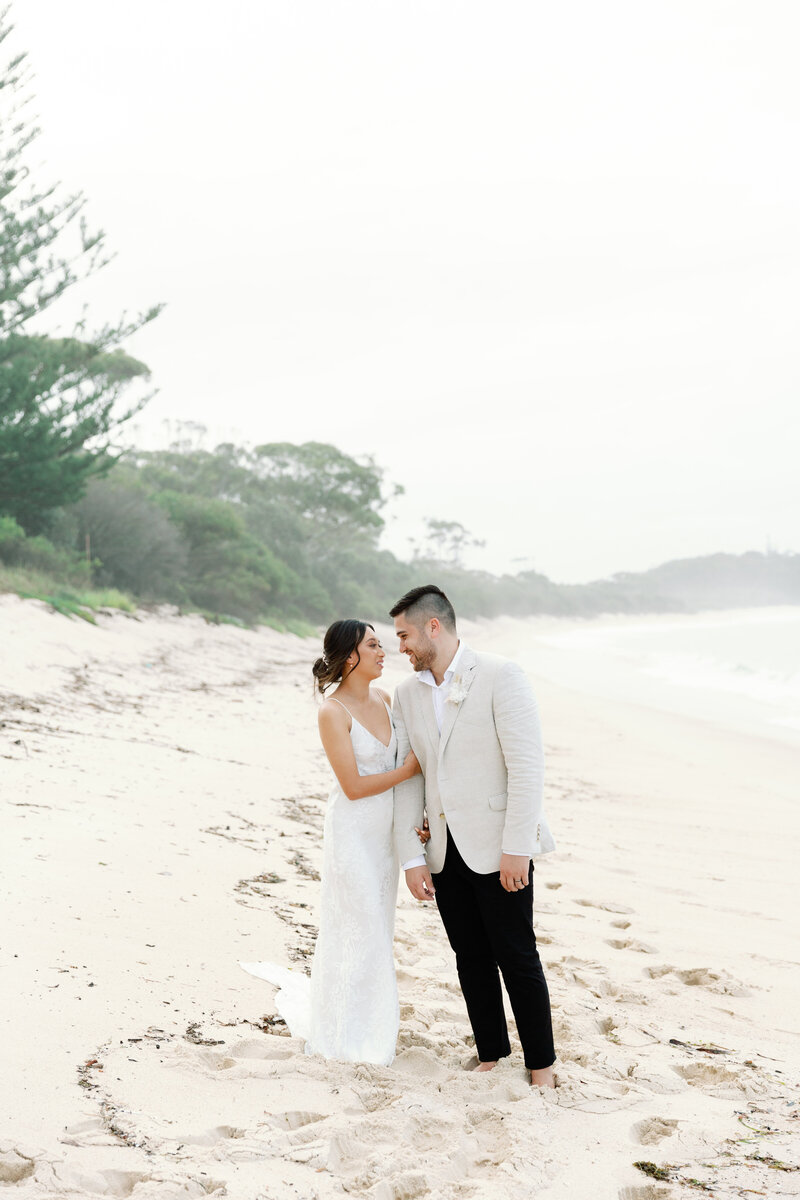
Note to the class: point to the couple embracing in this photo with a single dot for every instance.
(465, 733)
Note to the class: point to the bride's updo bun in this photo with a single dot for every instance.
(341, 639)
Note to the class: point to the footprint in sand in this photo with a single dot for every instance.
(210, 1137)
(572, 961)
(553, 885)
(653, 1130)
(621, 924)
(631, 944)
(124, 1183)
(659, 1085)
(624, 909)
(421, 1062)
(92, 1132)
(586, 974)
(403, 1187)
(15, 1165)
(714, 1077)
(266, 1049)
(597, 1096)
(607, 1025)
(649, 1192)
(581, 1058)
(295, 1119)
(408, 1038)
(713, 981)
(217, 1062)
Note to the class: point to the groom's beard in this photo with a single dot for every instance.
(424, 657)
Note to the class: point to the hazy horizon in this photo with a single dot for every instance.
(540, 263)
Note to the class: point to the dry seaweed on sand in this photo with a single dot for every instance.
(774, 1164)
(654, 1171)
(670, 1174)
(193, 1035)
(706, 1047)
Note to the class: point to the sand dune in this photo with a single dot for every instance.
(162, 801)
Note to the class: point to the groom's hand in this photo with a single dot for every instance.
(420, 883)
(514, 872)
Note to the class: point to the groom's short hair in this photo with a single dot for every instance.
(422, 603)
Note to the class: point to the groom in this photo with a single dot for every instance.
(472, 722)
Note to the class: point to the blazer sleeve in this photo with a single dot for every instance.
(516, 718)
(409, 796)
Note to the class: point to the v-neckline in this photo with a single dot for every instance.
(385, 745)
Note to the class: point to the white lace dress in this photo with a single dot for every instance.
(354, 1007)
(352, 1013)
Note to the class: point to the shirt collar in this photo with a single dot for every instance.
(427, 675)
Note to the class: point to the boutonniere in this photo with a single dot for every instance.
(458, 690)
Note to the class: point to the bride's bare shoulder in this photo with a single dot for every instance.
(332, 713)
(384, 696)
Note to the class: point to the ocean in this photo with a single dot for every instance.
(739, 669)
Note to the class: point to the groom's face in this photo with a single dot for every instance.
(416, 643)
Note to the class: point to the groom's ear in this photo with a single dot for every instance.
(434, 627)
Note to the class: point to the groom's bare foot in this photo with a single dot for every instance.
(543, 1077)
(487, 1066)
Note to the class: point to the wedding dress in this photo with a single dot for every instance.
(350, 1010)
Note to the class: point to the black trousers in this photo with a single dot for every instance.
(488, 928)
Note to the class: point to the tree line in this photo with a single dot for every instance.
(278, 532)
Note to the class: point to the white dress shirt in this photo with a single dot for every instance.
(440, 693)
(442, 690)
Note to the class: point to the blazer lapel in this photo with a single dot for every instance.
(462, 680)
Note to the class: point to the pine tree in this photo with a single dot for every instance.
(60, 397)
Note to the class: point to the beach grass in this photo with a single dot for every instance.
(295, 625)
(70, 601)
(75, 601)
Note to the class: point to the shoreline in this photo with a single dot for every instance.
(163, 806)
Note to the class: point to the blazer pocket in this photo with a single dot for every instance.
(498, 802)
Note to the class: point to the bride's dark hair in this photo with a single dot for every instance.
(341, 639)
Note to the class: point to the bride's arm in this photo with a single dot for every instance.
(337, 745)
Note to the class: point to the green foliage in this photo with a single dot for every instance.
(82, 604)
(39, 554)
(11, 534)
(330, 490)
(285, 532)
(35, 584)
(59, 396)
(107, 598)
(289, 536)
(132, 542)
(229, 571)
(66, 603)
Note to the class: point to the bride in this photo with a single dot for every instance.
(354, 1012)
(354, 1008)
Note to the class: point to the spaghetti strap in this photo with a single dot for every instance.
(355, 721)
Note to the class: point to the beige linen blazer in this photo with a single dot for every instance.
(482, 776)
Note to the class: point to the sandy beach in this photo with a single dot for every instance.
(163, 792)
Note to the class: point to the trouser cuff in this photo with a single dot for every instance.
(539, 1066)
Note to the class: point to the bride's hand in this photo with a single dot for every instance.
(423, 834)
(411, 765)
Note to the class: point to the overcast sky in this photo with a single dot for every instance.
(541, 260)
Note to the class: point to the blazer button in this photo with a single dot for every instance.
(441, 815)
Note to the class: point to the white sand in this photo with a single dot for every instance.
(162, 801)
